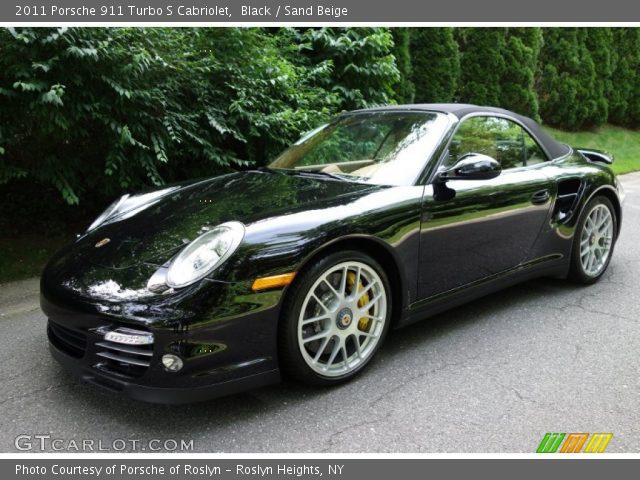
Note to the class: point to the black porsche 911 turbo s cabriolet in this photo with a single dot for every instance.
(379, 218)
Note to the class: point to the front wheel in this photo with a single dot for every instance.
(593, 241)
(335, 318)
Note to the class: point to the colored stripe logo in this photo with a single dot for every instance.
(598, 442)
(573, 442)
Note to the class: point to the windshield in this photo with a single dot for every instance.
(383, 148)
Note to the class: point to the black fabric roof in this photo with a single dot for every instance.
(554, 148)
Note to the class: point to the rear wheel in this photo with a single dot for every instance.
(593, 241)
(335, 319)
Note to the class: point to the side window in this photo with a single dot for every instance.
(474, 135)
(533, 153)
(499, 138)
(510, 139)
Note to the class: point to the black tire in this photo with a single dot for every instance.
(577, 272)
(292, 363)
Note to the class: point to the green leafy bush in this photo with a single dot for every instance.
(436, 64)
(363, 69)
(521, 50)
(404, 88)
(567, 81)
(94, 112)
(482, 65)
(599, 43)
(624, 98)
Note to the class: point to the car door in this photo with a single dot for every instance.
(474, 229)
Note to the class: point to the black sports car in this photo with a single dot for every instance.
(377, 219)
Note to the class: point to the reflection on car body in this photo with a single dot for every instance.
(377, 219)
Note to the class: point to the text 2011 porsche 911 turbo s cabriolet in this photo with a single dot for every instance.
(379, 218)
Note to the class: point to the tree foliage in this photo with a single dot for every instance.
(482, 65)
(599, 43)
(100, 111)
(521, 50)
(624, 98)
(93, 112)
(567, 84)
(436, 64)
(362, 65)
(404, 88)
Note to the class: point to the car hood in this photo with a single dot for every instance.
(155, 230)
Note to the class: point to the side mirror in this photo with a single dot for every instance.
(473, 166)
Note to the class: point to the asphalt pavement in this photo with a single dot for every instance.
(491, 376)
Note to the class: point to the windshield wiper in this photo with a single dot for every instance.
(320, 173)
(310, 173)
(267, 170)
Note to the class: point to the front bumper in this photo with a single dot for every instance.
(221, 355)
(163, 395)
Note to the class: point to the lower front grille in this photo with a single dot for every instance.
(72, 342)
(121, 359)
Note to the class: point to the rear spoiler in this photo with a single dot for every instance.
(596, 155)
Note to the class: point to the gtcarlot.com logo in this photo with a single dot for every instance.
(45, 443)
(573, 443)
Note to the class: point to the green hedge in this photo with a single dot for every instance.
(570, 78)
(100, 111)
(88, 113)
(436, 64)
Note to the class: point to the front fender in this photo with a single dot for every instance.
(388, 218)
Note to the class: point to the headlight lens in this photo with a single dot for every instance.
(204, 254)
(111, 209)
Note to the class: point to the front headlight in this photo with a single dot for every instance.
(111, 209)
(204, 254)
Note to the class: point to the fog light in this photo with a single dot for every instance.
(172, 363)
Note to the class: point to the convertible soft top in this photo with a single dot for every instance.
(554, 148)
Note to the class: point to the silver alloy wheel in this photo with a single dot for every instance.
(342, 318)
(596, 240)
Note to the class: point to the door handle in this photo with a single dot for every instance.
(540, 197)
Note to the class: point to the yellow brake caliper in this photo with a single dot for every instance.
(363, 323)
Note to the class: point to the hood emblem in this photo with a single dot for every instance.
(102, 242)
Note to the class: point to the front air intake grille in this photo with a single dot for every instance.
(125, 360)
(72, 342)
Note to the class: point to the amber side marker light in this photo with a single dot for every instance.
(273, 281)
